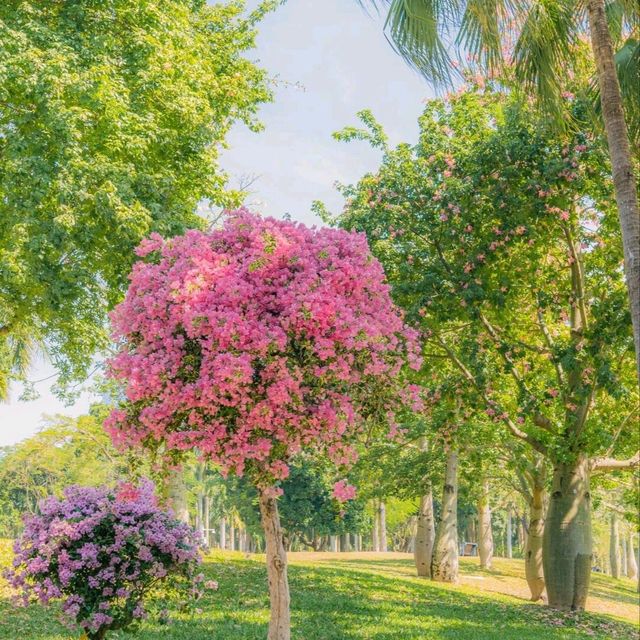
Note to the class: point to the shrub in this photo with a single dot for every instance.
(100, 551)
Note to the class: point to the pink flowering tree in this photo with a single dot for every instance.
(100, 551)
(252, 343)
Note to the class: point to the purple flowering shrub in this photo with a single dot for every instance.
(101, 551)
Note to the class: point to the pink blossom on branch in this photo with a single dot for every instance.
(344, 492)
(255, 341)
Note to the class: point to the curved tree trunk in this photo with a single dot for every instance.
(620, 152)
(567, 544)
(279, 624)
(425, 535)
(533, 568)
(485, 540)
(177, 495)
(632, 565)
(444, 561)
(614, 547)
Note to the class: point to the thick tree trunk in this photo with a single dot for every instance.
(333, 543)
(425, 535)
(279, 624)
(444, 560)
(177, 495)
(614, 547)
(382, 526)
(485, 541)
(533, 567)
(620, 153)
(567, 545)
(632, 566)
(509, 532)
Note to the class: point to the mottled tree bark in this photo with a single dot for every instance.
(533, 566)
(425, 535)
(444, 560)
(632, 565)
(567, 545)
(620, 152)
(614, 547)
(485, 540)
(177, 495)
(279, 624)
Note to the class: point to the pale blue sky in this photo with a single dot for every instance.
(331, 60)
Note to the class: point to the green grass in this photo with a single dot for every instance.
(343, 600)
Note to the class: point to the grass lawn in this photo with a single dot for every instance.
(363, 597)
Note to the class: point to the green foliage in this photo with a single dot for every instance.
(112, 116)
(500, 239)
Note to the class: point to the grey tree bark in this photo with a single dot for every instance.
(632, 566)
(375, 533)
(444, 560)
(279, 623)
(620, 153)
(567, 545)
(614, 547)
(533, 565)
(382, 526)
(425, 535)
(485, 540)
(177, 495)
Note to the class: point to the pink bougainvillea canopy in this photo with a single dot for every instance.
(256, 340)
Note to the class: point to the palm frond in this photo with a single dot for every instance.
(422, 32)
(542, 53)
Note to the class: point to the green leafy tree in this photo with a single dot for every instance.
(538, 41)
(499, 237)
(112, 116)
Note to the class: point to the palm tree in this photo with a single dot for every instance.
(537, 36)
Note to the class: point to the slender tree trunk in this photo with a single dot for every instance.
(614, 547)
(485, 542)
(207, 522)
(344, 542)
(620, 152)
(533, 566)
(223, 533)
(279, 624)
(444, 560)
(632, 566)
(567, 545)
(177, 495)
(425, 535)
(382, 527)
(232, 537)
(333, 541)
(358, 542)
(509, 531)
(375, 534)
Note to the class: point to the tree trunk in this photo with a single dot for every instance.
(279, 624)
(632, 566)
(619, 150)
(533, 567)
(177, 495)
(425, 535)
(223, 533)
(485, 541)
(382, 526)
(344, 542)
(358, 542)
(375, 534)
(207, 522)
(567, 545)
(614, 547)
(623, 558)
(232, 537)
(509, 532)
(333, 541)
(444, 560)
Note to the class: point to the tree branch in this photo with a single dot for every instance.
(611, 464)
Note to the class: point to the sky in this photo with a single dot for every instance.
(329, 59)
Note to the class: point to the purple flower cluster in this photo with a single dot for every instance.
(100, 551)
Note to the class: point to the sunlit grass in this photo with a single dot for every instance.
(345, 599)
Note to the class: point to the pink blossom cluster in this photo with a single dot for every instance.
(343, 492)
(99, 551)
(254, 341)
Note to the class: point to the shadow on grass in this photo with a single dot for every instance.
(347, 600)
